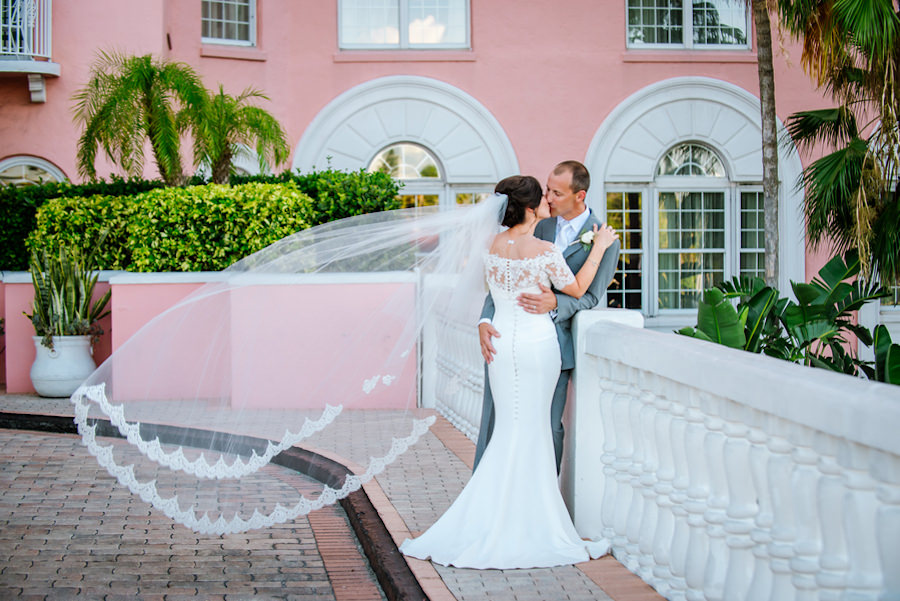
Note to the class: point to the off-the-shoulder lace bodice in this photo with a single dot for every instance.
(508, 277)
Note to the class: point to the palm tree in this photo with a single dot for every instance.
(228, 125)
(129, 99)
(852, 49)
(769, 137)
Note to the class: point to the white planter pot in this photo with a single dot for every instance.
(59, 372)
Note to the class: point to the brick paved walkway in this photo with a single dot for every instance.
(68, 529)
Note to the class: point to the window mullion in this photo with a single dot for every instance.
(651, 218)
(403, 26)
(688, 25)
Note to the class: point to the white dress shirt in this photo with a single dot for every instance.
(566, 231)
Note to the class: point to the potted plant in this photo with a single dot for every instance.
(65, 320)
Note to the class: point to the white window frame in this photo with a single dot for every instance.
(227, 42)
(676, 183)
(644, 191)
(688, 34)
(403, 28)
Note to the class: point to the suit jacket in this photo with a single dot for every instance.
(566, 306)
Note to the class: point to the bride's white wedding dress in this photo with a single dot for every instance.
(511, 513)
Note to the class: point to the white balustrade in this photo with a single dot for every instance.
(717, 474)
(720, 474)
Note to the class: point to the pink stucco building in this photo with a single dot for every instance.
(659, 98)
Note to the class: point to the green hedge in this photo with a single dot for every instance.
(80, 213)
(198, 228)
(338, 194)
(19, 205)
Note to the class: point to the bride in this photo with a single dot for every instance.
(511, 513)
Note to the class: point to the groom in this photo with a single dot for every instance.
(569, 218)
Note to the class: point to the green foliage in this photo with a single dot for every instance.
(887, 357)
(18, 207)
(717, 321)
(64, 285)
(813, 331)
(227, 125)
(197, 228)
(338, 194)
(129, 100)
(852, 200)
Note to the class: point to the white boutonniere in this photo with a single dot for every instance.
(586, 240)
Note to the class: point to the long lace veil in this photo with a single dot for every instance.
(313, 342)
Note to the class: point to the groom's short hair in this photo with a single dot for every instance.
(581, 179)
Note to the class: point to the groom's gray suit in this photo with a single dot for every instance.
(566, 307)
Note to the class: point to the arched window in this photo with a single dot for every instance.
(424, 183)
(28, 171)
(700, 229)
(416, 168)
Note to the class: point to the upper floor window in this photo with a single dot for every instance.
(229, 22)
(690, 24)
(393, 24)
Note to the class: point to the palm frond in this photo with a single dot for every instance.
(833, 126)
(832, 183)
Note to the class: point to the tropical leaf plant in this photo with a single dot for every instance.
(887, 357)
(63, 291)
(815, 330)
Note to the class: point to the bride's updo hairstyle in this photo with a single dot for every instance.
(522, 192)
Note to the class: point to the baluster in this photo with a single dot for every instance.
(665, 525)
(714, 449)
(611, 388)
(648, 478)
(680, 531)
(761, 583)
(860, 508)
(635, 469)
(742, 508)
(834, 563)
(696, 503)
(887, 521)
(622, 463)
(808, 545)
(784, 523)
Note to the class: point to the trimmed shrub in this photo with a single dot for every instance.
(198, 228)
(338, 194)
(18, 207)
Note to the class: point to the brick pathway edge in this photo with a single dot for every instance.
(393, 573)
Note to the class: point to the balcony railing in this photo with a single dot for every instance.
(25, 29)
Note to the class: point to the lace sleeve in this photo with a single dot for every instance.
(558, 271)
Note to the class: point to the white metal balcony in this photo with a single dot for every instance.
(25, 42)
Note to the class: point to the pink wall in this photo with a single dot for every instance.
(262, 335)
(529, 59)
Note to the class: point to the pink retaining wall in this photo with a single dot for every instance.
(263, 336)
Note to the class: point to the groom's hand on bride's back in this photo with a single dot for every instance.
(486, 332)
(538, 303)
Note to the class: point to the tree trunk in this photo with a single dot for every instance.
(769, 137)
